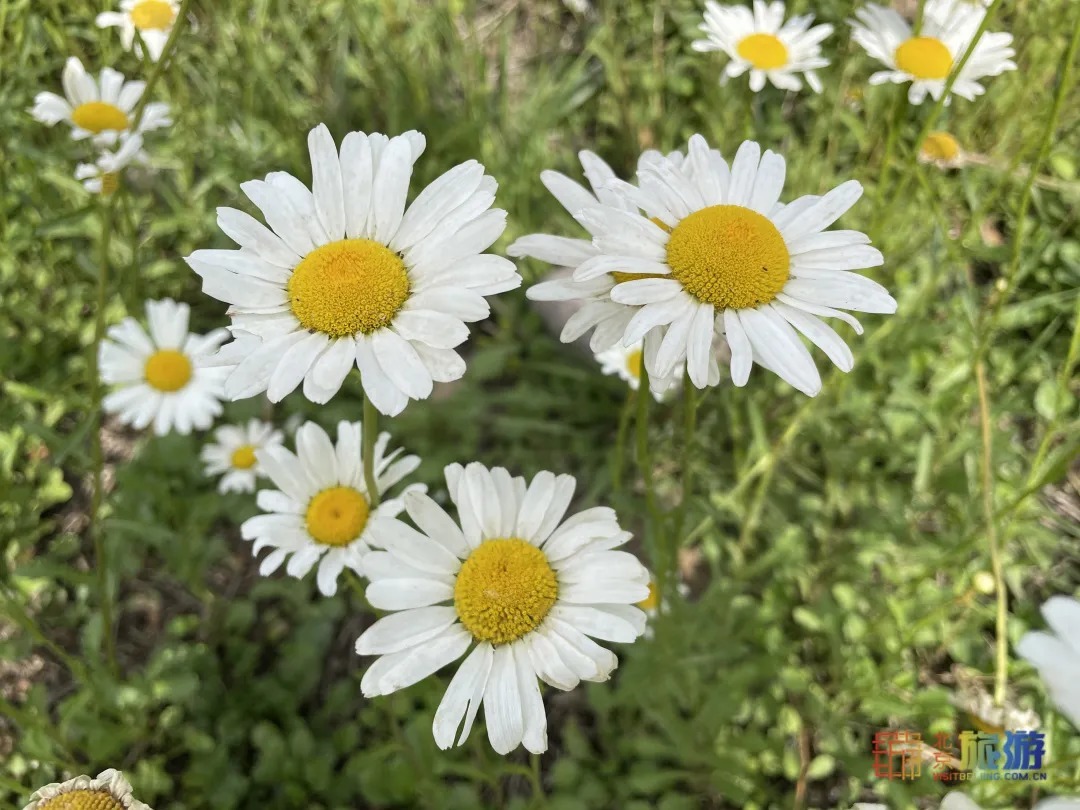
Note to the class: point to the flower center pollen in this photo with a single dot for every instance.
(504, 590)
(349, 286)
(98, 116)
(337, 516)
(243, 457)
(763, 51)
(82, 800)
(940, 146)
(167, 370)
(652, 601)
(924, 58)
(729, 256)
(633, 363)
(152, 15)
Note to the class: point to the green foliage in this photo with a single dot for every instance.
(835, 543)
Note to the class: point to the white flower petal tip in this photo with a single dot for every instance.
(1056, 654)
(562, 582)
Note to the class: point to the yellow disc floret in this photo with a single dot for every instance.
(940, 146)
(504, 590)
(348, 287)
(82, 800)
(337, 516)
(167, 370)
(633, 363)
(652, 601)
(98, 116)
(924, 58)
(110, 182)
(763, 51)
(243, 457)
(152, 15)
(729, 256)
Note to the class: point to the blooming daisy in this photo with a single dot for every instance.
(761, 42)
(98, 108)
(346, 275)
(109, 791)
(160, 378)
(942, 150)
(233, 453)
(103, 175)
(927, 59)
(512, 576)
(321, 511)
(721, 255)
(153, 19)
(1057, 654)
(626, 363)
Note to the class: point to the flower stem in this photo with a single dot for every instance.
(690, 403)
(620, 441)
(370, 433)
(159, 66)
(653, 528)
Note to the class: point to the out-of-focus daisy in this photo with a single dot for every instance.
(942, 150)
(653, 605)
(103, 175)
(526, 586)
(101, 108)
(626, 362)
(724, 256)
(232, 454)
(160, 377)
(1057, 654)
(321, 511)
(108, 791)
(153, 19)
(345, 275)
(927, 59)
(761, 42)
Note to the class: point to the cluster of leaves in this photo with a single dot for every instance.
(835, 548)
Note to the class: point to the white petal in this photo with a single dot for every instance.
(326, 184)
(502, 703)
(463, 698)
(400, 631)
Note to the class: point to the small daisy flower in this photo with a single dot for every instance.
(942, 150)
(511, 577)
(100, 109)
(653, 606)
(626, 362)
(160, 377)
(927, 59)
(1057, 654)
(233, 453)
(346, 275)
(723, 256)
(103, 175)
(321, 512)
(761, 42)
(109, 791)
(153, 19)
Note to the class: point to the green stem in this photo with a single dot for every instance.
(895, 123)
(620, 441)
(159, 66)
(370, 433)
(690, 403)
(645, 466)
(539, 798)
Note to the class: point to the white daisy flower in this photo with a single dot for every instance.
(153, 19)
(626, 362)
(959, 801)
(103, 175)
(526, 586)
(761, 42)
(233, 453)
(926, 60)
(109, 791)
(942, 150)
(100, 109)
(725, 257)
(345, 275)
(321, 511)
(160, 378)
(1057, 654)
(654, 606)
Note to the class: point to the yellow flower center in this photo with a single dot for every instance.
(729, 256)
(243, 457)
(98, 116)
(167, 370)
(82, 800)
(652, 601)
(924, 58)
(153, 15)
(940, 146)
(633, 363)
(110, 182)
(763, 51)
(350, 286)
(504, 590)
(337, 516)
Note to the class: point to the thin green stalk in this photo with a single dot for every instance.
(539, 798)
(895, 124)
(159, 66)
(618, 462)
(690, 403)
(370, 433)
(644, 461)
